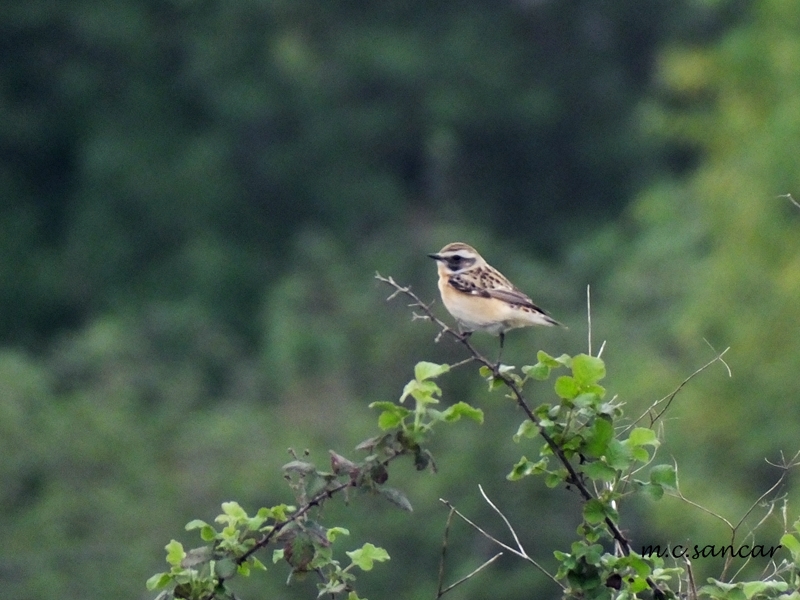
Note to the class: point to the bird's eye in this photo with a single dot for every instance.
(457, 258)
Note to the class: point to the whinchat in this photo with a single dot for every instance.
(480, 297)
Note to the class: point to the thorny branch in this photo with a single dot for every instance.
(573, 478)
(268, 537)
(273, 533)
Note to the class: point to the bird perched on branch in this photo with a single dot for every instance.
(480, 298)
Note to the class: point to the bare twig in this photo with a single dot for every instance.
(589, 315)
(691, 583)
(505, 520)
(460, 363)
(589, 322)
(671, 396)
(444, 553)
(785, 467)
(720, 355)
(442, 592)
(678, 494)
(791, 199)
(517, 552)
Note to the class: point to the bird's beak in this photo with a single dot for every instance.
(435, 256)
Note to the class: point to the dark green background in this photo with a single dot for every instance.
(194, 196)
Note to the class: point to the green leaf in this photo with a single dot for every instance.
(654, 490)
(462, 409)
(392, 415)
(554, 479)
(257, 564)
(566, 387)
(495, 383)
(175, 553)
(587, 369)
(254, 523)
(428, 370)
(539, 371)
(594, 511)
(277, 555)
(544, 357)
(792, 544)
(265, 513)
(642, 436)
(408, 389)
(384, 405)
(751, 588)
(587, 400)
(279, 511)
(396, 497)
(195, 524)
(331, 588)
(421, 391)
(224, 568)
(526, 429)
(525, 467)
(234, 510)
(717, 589)
(365, 557)
(560, 556)
(562, 361)
(664, 475)
(158, 581)
(389, 420)
(334, 532)
(598, 437)
(618, 455)
(591, 552)
(300, 551)
(296, 466)
(207, 532)
(598, 470)
(638, 564)
(197, 556)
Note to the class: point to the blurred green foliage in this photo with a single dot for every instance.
(196, 196)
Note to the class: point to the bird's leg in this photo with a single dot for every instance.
(502, 340)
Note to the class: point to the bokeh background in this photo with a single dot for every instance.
(195, 195)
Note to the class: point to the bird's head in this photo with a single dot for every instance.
(457, 258)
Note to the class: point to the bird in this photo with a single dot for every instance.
(480, 298)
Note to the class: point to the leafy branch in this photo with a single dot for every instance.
(301, 541)
(584, 450)
(498, 374)
(595, 460)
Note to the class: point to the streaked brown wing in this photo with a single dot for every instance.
(468, 286)
(514, 296)
(502, 292)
